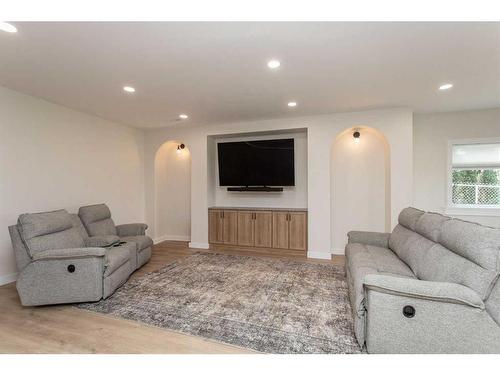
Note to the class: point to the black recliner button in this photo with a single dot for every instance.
(409, 311)
(71, 268)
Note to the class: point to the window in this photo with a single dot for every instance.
(474, 176)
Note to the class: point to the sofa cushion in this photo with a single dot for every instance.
(442, 264)
(115, 258)
(142, 242)
(409, 217)
(102, 241)
(365, 260)
(410, 247)
(477, 243)
(97, 220)
(430, 225)
(48, 231)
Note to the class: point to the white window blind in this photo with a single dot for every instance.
(476, 156)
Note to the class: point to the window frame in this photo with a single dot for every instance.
(466, 209)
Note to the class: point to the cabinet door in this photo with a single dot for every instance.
(280, 230)
(245, 228)
(298, 230)
(215, 226)
(263, 228)
(230, 227)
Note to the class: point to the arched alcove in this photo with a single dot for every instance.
(172, 204)
(360, 184)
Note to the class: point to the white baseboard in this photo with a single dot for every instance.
(171, 238)
(7, 279)
(338, 251)
(199, 245)
(318, 255)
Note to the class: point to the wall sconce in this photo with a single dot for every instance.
(180, 148)
(356, 136)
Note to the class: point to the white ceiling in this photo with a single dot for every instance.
(216, 72)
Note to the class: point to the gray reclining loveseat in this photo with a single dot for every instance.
(430, 286)
(58, 262)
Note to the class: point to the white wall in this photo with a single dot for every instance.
(292, 196)
(431, 135)
(394, 124)
(52, 157)
(360, 183)
(173, 193)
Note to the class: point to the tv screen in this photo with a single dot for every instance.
(257, 163)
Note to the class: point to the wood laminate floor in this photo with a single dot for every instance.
(65, 329)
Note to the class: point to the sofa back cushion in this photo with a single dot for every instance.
(438, 248)
(97, 220)
(48, 230)
(20, 251)
(430, 225)
(409, 217)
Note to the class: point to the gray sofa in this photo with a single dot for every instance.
(430, 286)
(59, 262)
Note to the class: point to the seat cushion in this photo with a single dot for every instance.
(142, 242)
(362, 260)
(97, 220)
(115, 258)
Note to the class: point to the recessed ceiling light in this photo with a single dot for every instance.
(7, 27)
(446, 86)
(292, 104)
(128, 89)
(273, 64)
(183, 116)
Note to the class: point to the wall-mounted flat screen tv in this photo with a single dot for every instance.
(256, 163)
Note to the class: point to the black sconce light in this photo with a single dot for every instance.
(180, 148)
(356, 136)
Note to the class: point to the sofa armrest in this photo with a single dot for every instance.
(81, 252)
(101, 241)
(428, 290)
(369, 238)
(135, 229)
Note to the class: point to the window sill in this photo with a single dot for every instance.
(472, 211)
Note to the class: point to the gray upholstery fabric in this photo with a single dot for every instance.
(45, 282)
(142, 242)
(429, 225)
(115, 258)
(409, 217)
(441, 264)
(410, 247)
(97, 220)
(369, 238)
(116, 279)
(42, 223)
(493, 303)
(134, 229)
(143, 256)
(437, 327)
(433, 262)
(77, 223)
(20, 251)
(431, 290)
(454, 268)
(48, 230)
(83, 252)
(55, 240)
(364, 260)
(102, 241)
(475, 242)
